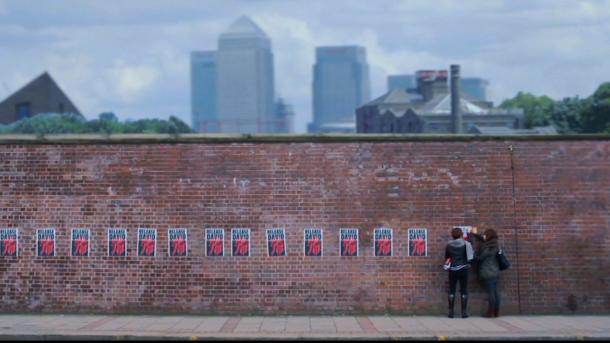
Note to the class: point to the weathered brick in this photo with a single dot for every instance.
(560, 229)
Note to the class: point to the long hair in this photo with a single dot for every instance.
(490, 234)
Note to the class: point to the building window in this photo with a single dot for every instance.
(61, 107)
(24, 110)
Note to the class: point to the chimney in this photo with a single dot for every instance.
(456, 115)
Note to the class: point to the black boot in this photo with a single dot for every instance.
(451, 303)
(464, 305)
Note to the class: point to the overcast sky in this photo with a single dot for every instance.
(132, 57)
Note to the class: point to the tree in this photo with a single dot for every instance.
(107, 123)
(536, 109)
(596, 117)
(565, 115)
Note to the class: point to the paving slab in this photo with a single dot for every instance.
(298, 324)
(34, 327)
(347, 324)
(322, 324)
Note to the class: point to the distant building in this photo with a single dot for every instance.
(432, 111)
(475, 87)
(233, 88)
(41, 95)
(340, 84)
(203, 92)
(283, 117)
(505, 131)
(404, 82)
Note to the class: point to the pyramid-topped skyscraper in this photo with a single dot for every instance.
(242, 69)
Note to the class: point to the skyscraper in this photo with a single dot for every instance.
(245, 79)
(403, 82)
(232, 88)
(203, 91)
(475, 87)
(340, 85)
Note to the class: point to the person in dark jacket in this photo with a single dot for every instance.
(489, 270)
(460, 252)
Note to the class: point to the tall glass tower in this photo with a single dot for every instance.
(340, 85)
(475, 87)
(203, 91)
(245, 79)
(232, 88)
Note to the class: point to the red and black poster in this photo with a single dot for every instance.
(276, 242)
(117, 242)
(313, 242)
(383, 242)
(80, 242)
(240, 242)
(147, 242)
(349, 242)
(45, 242)
(418, 242)
(9, 242)
(215, 242)
(177, 244)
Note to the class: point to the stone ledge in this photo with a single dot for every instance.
(197, 138)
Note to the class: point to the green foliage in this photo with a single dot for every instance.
(536, 109)
(106, 123)
(570, 115)
(596, 117)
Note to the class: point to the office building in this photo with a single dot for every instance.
(203, 92)
(404, 82)
(340, 84)
(233, 87)
(475, 87)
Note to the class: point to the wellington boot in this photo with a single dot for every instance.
(464, 305)
(451, 305)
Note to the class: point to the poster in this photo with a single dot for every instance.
(313, 242)
(276, 242)
(240, 242)
(147, 242)
(418, 242)
(9, 242)
(117, 242)
(215, 242)
(383, 242)
(45, 242)
(348, 239)
(177, 243)
(80, 242)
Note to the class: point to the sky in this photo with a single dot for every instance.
(132, 57)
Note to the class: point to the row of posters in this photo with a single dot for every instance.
(80, 242)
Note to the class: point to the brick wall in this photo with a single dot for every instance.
(561, 233)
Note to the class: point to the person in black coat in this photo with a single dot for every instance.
(489, 270)
(461, 254)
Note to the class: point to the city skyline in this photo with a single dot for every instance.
(133, 58)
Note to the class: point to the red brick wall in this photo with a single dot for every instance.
(562, 202)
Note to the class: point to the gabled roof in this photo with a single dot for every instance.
(395, 96)
(44, 84)
(441, 104)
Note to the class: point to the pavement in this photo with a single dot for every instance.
(388, 327)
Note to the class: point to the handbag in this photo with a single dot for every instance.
(503, 261)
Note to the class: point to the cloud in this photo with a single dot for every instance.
(132, 80)
(132, 57)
